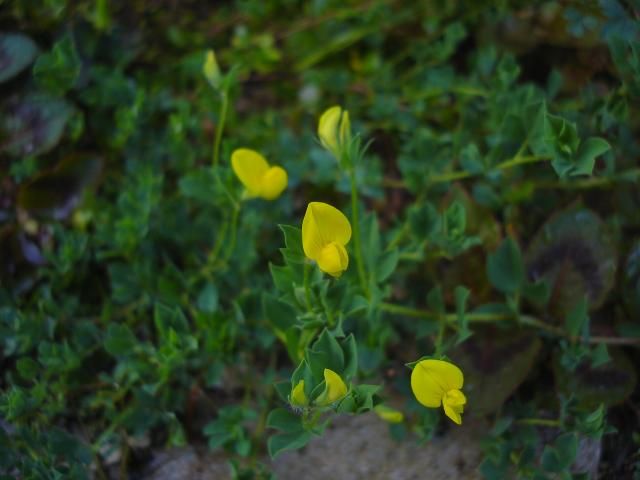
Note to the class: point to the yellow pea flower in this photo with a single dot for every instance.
(325, 232)
(298, 397)
(334, 130)
(388, 414)
(435, 383)
(334, 389)
(259, 178)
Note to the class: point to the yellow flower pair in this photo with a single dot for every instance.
(263, 180)
(334, 389)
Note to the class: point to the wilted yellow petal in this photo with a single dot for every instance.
(250, 167)
(298, 397)
(333, 259)
(323, 224)
(334, 389)
(274, 181)
(389, 414)
(328, 128)
(431, 379)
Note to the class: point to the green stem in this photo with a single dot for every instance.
(234, 231)
(501, 317)
(222, 117)
(507, 164)
(307, 289)
(356, 232)
(219, 242)
(541, 422)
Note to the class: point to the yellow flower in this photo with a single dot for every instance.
(259, 178)
(435, 383)
(334, 389)
(334, 130)
(325, 232)
(298, 397)
(388, 414)
(211, 70)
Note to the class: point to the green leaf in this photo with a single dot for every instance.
(293, 240)
(600, 356)
(169, 319)
(505, 267)
(589, 150)
(282, 442)
(577, 318)
(562, 454)
(470, 159)
(537, 293)
(386, 265)
(119, 341)
(17, 51)
(325, 353)
(28, 368)
(208, 298)
(350, 349)
(33, 124)
(285, 420)
(58, 70)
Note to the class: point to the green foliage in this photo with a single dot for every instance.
(489, 177)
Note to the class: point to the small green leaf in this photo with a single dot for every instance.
(505, 267)
(577, 318)
(17, 51)
(461, 294)
(589, 150)
(208, 298)
(293, 239)
(282, 442)
(600, 355)
(285, 420)
(58, 70)
(28, 368)
(119, 340)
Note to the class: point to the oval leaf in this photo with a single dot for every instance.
(33, 124)
(17, 51)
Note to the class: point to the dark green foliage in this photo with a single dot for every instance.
(491, 185)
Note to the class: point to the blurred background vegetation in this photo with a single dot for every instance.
(122, 331)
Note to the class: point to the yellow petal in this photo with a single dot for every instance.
(298, 397)
(334, 389)
(453, 403)
(323, 224)
(389, 414)
(274, 181)
(431, 379)
(328, 128)
(250, 167)
(333, 259)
